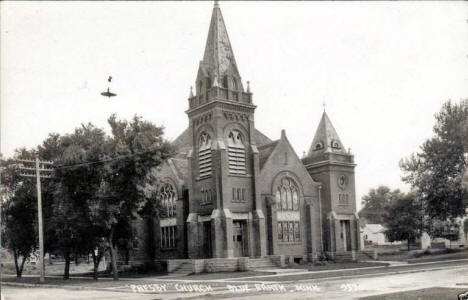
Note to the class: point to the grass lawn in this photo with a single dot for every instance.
(428, 257)
(437, 293)
(222, 275)
(448, 256)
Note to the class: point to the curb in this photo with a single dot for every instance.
(377, 274)
(55, 286)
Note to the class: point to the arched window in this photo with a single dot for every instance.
(204, 154)
(234, 83)
(225, 82)
(236, 153)
(288, 216)
(168, 197)
(287, 195)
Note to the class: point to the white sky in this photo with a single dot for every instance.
(383, 68)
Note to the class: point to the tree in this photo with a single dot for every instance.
(100, 185)
(134, 151)
(404, 219)
(78, 178)
(437, 172)
(376, 203)
(19, 207)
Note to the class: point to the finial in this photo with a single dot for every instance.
(215, 81)
(191, 91)
(324, 104)
(216, 3)
(248, 86)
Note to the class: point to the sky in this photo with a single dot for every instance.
(382, 69)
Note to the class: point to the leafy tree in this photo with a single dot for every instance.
(437, 172)
(376, 203)
(100, 184)
(19, 207)
(78, 178)
(21, 231)
(133, 152)
(404, 219)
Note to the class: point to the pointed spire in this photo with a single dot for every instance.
(191, 92)
(218, 58)
(326, 139)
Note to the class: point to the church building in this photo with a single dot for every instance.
(232, 192)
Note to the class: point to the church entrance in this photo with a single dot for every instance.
(238, 239)
(346, 234)
(207, 248)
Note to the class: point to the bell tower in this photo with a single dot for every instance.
(331, 164)
(224, 159)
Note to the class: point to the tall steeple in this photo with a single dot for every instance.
(219, 64)
(326, 139)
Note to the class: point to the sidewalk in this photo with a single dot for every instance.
(283, 277)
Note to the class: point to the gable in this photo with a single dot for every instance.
(175, 170)
(280, 157)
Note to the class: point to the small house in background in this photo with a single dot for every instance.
(374, 235)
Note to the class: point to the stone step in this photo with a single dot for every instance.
(261, 263)
(184, 268)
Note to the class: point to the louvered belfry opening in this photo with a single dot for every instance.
(236, 153)
(204, 155)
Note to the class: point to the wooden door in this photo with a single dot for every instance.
(238, 238)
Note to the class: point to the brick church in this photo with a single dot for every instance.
(232, 192)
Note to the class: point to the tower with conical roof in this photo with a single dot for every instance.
(329, 163)
(223, 160)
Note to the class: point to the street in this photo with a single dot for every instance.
(351, 287)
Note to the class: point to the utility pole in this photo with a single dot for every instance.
(40, 171)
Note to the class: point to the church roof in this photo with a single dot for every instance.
(183, 143)
(181, 167)
(265, 151)
(326, 139)
(260, 138)
(218, 59)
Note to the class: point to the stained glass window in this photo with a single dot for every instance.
(168, 199)
(287, 197)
